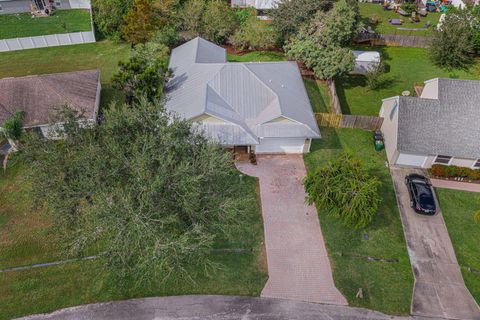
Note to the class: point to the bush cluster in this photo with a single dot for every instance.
(439, 170)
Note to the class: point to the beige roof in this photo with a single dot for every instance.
(40, 96)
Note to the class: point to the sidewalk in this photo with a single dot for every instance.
(456, 185)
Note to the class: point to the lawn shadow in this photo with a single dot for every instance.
(348, 82)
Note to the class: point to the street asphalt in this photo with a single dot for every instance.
(211, 308)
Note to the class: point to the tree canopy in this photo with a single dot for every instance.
(345, 189)
(144, 190)
(109, 14)
(290, 16)
(254, 34)
(454, 43)
(321, 44)
(143, 75)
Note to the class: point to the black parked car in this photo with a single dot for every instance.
(421, 194)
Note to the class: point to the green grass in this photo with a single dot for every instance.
(387, 287)
(458, 208)
(257, 56)
(28, 236)
(318, 93)
(367, 10)
(63, 21)
(405, 67)
(103, 55)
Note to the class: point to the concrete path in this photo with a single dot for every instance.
(456, 185)
(211, 308)
(298, 264)
(439, 290)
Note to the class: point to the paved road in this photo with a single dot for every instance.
(211, 308)
(439, 290)
(298, 264)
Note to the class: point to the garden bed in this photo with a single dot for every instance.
(62, 21)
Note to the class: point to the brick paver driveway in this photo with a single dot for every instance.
(298, 264)
(439, 290)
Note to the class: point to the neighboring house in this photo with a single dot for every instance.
(19, 6)
(442, 126)
(365, 61)
(259, 105)
(257, 4)
(41, 96)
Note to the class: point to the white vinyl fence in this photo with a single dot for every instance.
(51, 40)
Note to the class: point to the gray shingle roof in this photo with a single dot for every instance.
(245, 95)
(448, 126)
(40, 96)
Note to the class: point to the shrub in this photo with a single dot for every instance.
(254, 34)
(346, 190)
(439, 170)
(375, 77)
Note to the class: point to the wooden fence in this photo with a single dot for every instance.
(397, 40)
(334, 101)
(348, 121)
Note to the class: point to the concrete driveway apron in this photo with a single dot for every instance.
(298, 263)
(439, 289)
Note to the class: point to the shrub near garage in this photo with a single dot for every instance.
(443, 171)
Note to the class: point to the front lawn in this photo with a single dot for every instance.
(405, 67)
(369, 10)
(458, 208)
(387, 286)
(103, 55)
(62, 21)
(28, 236)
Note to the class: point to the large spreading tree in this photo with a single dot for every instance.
(322, 43)
(346, 190)
(144, 190)
(457, 39)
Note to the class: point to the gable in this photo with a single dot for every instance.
(280, 120)
(206, 118)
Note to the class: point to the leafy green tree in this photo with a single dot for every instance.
(345, 189)
(108, 16)
(254, 34)
(143, 75)
(375, 76)
(219, 21)
(191, 18)
(12, 129)
(453, 44)
(290, 16)
(321, 44)
(167, 36)
(140, 22)
(144, 190)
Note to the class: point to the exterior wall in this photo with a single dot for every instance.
(207, 118)
(307, 145)
(430, 91)
(19, 6)
(389, 112)
(460, 162)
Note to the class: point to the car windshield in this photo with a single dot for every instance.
(425, 196)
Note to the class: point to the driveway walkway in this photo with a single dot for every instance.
(439, 290)
(211, 308)
(298, 264)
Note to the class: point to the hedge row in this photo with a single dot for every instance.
(440, 170)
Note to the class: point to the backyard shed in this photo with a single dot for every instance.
(365, 61)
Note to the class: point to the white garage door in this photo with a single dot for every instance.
(280, 145)
(413, 160)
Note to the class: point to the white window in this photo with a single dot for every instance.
(1, 9)
(476, 165)
(443, 160)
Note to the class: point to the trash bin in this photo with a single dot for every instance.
(378, 141)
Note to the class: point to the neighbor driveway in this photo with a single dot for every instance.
(298, 264)
(439, 290)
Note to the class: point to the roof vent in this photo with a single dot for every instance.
(270, 80)
(283, 86)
